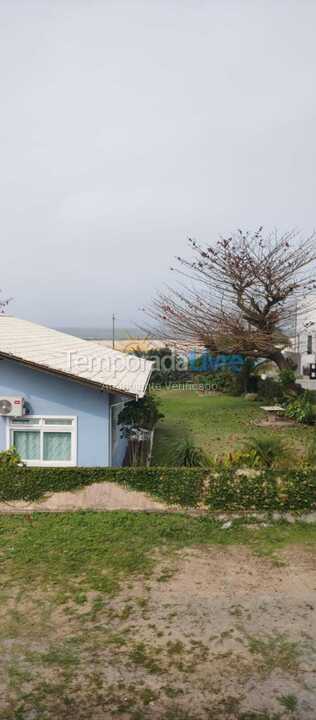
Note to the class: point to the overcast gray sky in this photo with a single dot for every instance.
(125, 127)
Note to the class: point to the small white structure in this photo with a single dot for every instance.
(304, 345)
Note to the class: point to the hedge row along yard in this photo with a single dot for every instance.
(220, 488)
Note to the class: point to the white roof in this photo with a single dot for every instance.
(82, 360)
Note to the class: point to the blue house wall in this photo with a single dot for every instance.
(53, 395)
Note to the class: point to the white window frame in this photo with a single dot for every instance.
(42, 427)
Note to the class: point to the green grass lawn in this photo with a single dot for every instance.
(218, 423)
(94, 551)
(83, 633)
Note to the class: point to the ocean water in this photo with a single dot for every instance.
(98, 333)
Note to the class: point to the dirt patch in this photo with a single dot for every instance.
(275, 423)
(213, 634)
(97, 496)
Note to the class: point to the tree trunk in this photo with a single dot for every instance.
(280, 360)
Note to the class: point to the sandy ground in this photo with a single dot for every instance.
(132, 344)
(214, 634)
(98, 496)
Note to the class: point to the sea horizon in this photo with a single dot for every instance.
(101, 333)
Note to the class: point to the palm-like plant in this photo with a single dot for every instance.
(265, 451)
(187, 454)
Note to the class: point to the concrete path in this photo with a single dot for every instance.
(98, 496)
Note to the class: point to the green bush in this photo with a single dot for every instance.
(10, 458)
(222, 488)
(264, 451)
(268, 490)
(182, 486)
(143, 413)
(301, 409)
(187, 454)
(287, 377)
(270, 391)
(168, 366)
(279, 390)
(309, 457)
(227, 381)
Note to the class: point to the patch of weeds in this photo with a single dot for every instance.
(178, 713)
(166, 574)
(171, 692)
(17, 675)
(125, 612)
(227, 633)
(289, 702)
(259, 716)
(37, 702)
(276, 652)
(142, 602)
(96, 681)
(98, 603)
(102, 549)
(80, 598)
(63, 656)
(277, 561)
(97, 606)
(175, 647)
(236, 610)
(14, 625)
(200, 650)
(117, 639)
(145, 656)
(229, 706)
(147, 695)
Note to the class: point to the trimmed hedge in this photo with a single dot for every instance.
(286, 490)
(224, 489)
(180, 486)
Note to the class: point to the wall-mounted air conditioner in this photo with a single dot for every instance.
(11, 406)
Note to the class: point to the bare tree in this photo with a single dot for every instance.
(240, 295)
(4, 304)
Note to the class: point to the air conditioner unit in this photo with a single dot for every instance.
(11, 406)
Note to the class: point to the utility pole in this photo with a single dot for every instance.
(113, 331)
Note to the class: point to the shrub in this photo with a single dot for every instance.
(10, 458)
(187, 454)
(264, 451)
(248, 379)
(270, 391)
(181, 486)
(227, 381)
(143, 413)
(287, 377)
(301, 409)
(168, 366)
(281, 490)
(220, 488)
(309, 457)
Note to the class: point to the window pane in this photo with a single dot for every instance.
(57, 421)
(57, 446)
(25, 421)
(27, 444)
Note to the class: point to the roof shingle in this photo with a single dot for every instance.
(82, 360)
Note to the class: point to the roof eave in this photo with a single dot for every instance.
(83, 381)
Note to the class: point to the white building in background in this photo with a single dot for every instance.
(304, 345)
